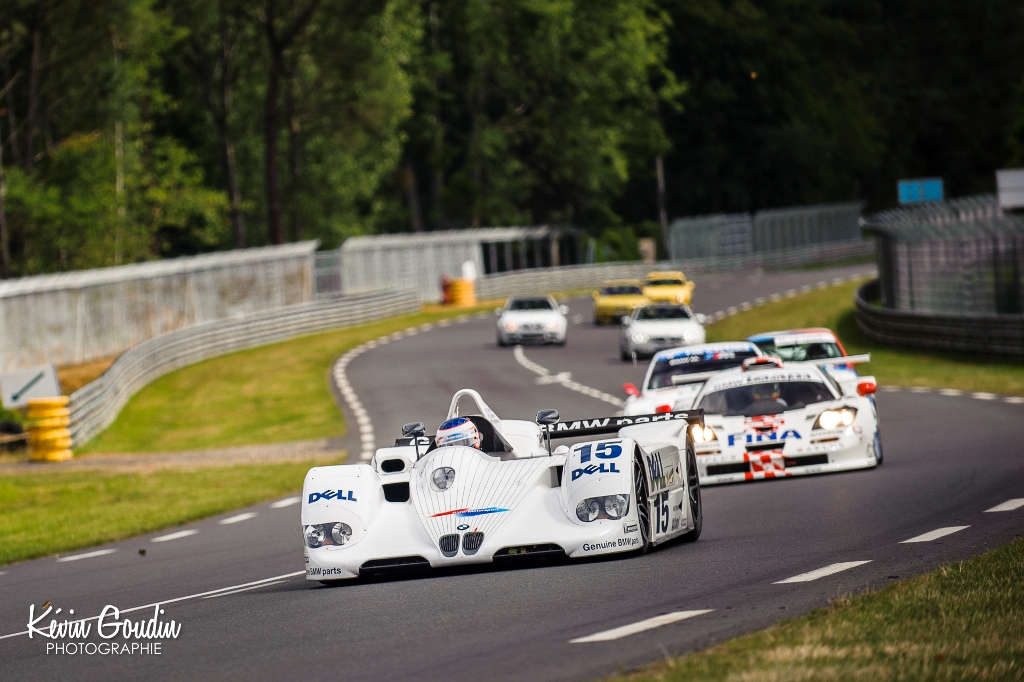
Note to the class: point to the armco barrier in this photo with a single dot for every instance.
(94, 406)
(985, 334)
(544, 280)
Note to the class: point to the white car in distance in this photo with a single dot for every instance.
(652, 328)
(531, 319)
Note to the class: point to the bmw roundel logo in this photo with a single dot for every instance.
(463, 527)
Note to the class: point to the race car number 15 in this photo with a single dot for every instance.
(602, 451)
(661, 514)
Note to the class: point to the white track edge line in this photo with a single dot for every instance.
(823, 572)
(639, 626)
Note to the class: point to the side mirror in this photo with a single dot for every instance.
(866, 387)
(625, 320)
(631, 389)
(561, 450)
(564, 309)
(547, 417)
(497, 311)
(414, 430)
(701, 318)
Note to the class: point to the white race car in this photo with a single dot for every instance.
(675, 376)
(418, 505)
(770, 419)
(532, 319)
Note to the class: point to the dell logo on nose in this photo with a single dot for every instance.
(339, 495)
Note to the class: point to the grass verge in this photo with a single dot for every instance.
(964, 621)
(833, 308)
(60, 511)
(271, 394)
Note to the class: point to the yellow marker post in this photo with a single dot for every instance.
(48, 437)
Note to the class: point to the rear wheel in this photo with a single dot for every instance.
(693, 493)
(643, 504)
(878, 447)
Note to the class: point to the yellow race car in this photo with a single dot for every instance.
(617, 297)
(668, 287)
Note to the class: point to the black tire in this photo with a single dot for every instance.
(624, 356)
(693, 492)
(501, 343)
(641, 493)
(878, 447)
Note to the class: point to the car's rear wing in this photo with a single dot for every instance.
(844, 360)
(610, 425)
(695, 378)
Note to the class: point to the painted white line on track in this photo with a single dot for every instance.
(641, 626)
(951, 392)
(277, 578)
(823, 572)
(286, 502)
(1014, 399)
(175, 536)
(87, 555)
(563, 378)
(935, 534)
(238, 518)
(1009, 505)
(984, 396)
(920, 389)
(241, 589)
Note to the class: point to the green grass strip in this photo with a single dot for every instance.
(61, 511)
(964, 621)
(271, 394)
(833, 308)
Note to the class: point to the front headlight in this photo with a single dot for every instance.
(551, 326)
(703, 434)
(510, 326)
(606, 507)
(639, 337)
(830, 419)
(314, 536)
(341, 533)
(443, 478)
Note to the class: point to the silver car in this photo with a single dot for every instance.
(656, 327)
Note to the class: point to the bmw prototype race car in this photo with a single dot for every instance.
(436, 502)
(770, 419)
(675, 376)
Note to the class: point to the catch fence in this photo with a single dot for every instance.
(769, 231)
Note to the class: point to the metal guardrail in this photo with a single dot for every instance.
(94, 406)
(544, 280)
(979, 334)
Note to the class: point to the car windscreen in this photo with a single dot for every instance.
(663, 313)
(802, 351)
(664, 282)
(771, 397)
(621, 291)
(529, 304)
(664, 370)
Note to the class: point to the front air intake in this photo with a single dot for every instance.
(392, 466)
(449, 544)
(471, 542)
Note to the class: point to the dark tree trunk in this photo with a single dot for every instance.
(230, 174)
(294, 149)
(12, 118)
(412, 197)
(33, 100)
(270, 151)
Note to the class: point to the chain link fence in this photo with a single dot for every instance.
(738, 234)
(963, 257)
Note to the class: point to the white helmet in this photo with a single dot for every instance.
(458, 431)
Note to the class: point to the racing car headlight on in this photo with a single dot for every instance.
(551, 326)
(639, 337)
(606, 507)
(830, 419)
(341, 533)
(510, 326)
(315, 535)
(703, 434)
(442, 478)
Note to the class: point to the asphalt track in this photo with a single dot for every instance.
(246, 613)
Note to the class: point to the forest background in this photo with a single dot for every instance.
(140, 129)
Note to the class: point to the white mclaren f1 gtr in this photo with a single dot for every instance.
(420, 504)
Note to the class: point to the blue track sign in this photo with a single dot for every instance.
(920, 190)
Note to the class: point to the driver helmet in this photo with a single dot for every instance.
(767, 392)
(458, 431)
